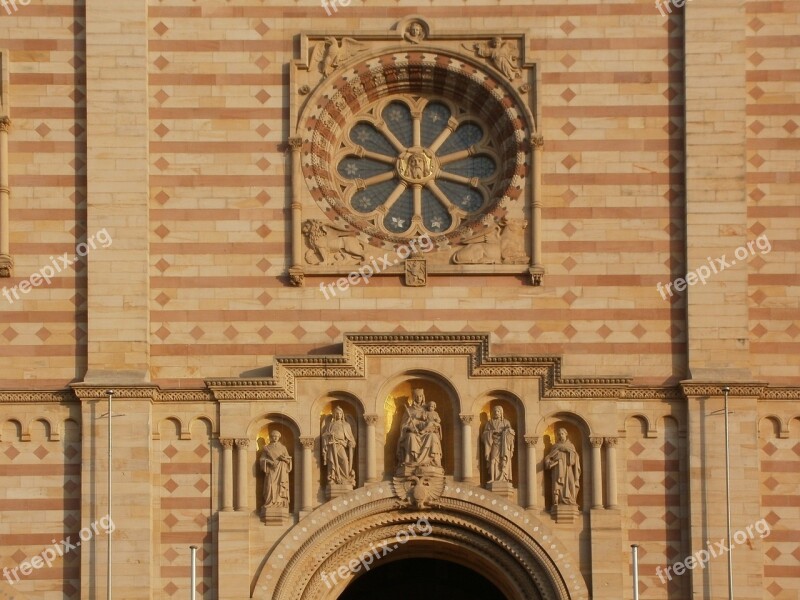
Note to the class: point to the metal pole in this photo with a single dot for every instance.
(635, 548)
(726, 389)
(108, 576)
(194, 572)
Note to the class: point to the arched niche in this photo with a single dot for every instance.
(290, 437)
(514, 412)
(353, 410)
(396, 397)
(578, 433)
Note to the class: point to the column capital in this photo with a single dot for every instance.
(371, 419)
(596, 442)
(531, 440)
(226, 442)
(307, 443)
(537, 140)
(5, 124)
(295, 143)
(242, 443)
(467, 419)
(611, 442)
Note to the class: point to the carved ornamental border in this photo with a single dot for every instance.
(352, 364)
(336, 77)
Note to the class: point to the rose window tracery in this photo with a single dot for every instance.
(417, 165)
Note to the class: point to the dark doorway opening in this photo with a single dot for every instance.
(422, 579)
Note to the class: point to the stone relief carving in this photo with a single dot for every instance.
(498, 446)
(329, 54)
(338, 446)
(503, 55)
(328, 248)
(415, 32)
(502, 243)
(276, 464)
(565, 467)
(416, 272)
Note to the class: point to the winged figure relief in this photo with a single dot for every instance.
(503, 55)
(328, 55)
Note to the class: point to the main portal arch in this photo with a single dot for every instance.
(320, 556)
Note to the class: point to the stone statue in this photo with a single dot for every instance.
(565, 468)
(338, 444)
(276, 464)
(420, 442)
(498, 446)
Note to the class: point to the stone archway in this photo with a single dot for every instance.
(470, 526)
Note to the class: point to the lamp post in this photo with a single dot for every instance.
(635, 549)
(110, 394)
(726, 390)
(192, 594)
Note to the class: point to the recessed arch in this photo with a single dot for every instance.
(470, 524)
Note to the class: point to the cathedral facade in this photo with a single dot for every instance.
(376, 299)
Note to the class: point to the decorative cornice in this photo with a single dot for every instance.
(696, 389)
(781, 393)
(26, 396)
(126, 392)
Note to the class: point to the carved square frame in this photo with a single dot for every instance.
(336, 75)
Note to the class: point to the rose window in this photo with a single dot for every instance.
(413, 166)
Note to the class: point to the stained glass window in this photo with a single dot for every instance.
(416, 166)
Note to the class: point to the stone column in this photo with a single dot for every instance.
(611, 474)
(371, 459)
(6, 262)
(537, 270)
(307, 500)
(597, 472)
(227, 473)
(531, 491)
(466, 447)
(296, 270)
(241, 474)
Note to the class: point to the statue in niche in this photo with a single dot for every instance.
(565, 468)
(498, 446)
(338, 444)
(276, 464)
(325, 249)
(420, 442)
(502, 54)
